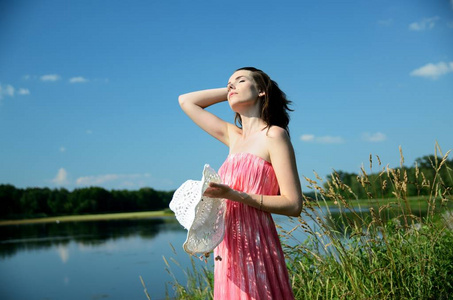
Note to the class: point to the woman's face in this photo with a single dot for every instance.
(242, 90)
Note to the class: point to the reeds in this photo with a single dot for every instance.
(200, 281)
(374, 249)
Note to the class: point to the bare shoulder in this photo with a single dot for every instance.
(276, 134)
(279, 143)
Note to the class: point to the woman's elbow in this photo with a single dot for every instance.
(297, 208)
(181, 100)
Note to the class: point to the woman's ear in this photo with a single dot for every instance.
(261, 94)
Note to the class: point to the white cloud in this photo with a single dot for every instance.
(374, 137)
(61, 178)
(307, 137)
(9, 91)
(79, 79)
(426, 23)
(50, 77)
(120, 180)
(385, 23)
(62, 149)
(23, 92)
(322, 139)
(96, 180)
(6, 90)
(433, 71)
(89, 131)
(31, 77)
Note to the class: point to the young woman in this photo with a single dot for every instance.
(259, 178)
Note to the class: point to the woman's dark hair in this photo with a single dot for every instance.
(274, 105)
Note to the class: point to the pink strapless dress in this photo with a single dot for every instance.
(252, 264)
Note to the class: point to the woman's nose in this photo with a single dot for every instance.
(230, 86)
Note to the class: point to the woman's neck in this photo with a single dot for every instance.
(251, 125)
(251, 120)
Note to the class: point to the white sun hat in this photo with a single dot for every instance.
(202, 216)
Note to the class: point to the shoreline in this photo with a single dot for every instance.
(85, 218)
(421, 201)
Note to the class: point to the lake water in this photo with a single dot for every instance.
(93, 260)
(104, 259)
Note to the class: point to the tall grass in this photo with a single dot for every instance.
(200, 280)
(382, 249)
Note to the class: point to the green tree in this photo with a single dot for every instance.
(10, 200)
(57, 201)
(34, 201)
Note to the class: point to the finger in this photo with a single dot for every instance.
(210, 191)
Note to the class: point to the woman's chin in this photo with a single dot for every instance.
(241, 106)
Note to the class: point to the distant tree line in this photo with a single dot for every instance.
(416, 180)
(41, 202)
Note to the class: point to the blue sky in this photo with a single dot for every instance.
(88, 89)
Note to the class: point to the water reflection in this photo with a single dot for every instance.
(63, 253)
(41, 236)
(89, 260)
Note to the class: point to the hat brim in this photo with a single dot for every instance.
(204, 217)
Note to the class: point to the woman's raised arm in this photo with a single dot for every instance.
(194, 104)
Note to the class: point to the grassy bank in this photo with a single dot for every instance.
(97, 217)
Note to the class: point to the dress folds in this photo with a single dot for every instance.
(249, 261)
